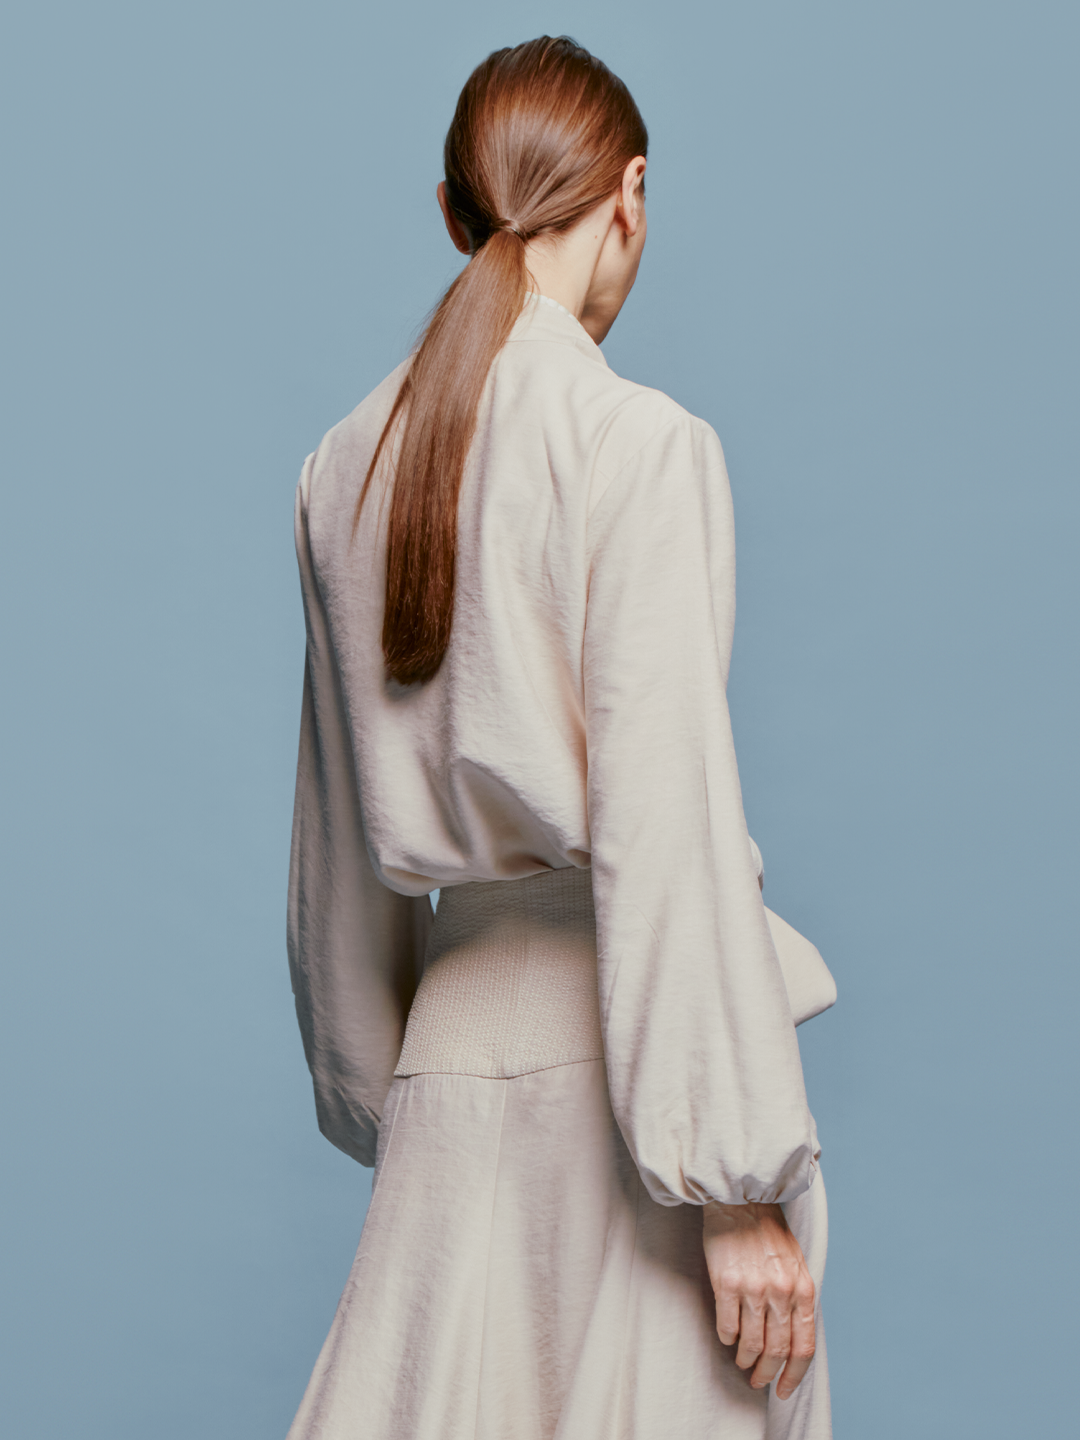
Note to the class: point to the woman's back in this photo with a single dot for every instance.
(481, 773)
(579, 718)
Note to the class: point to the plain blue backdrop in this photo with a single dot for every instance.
(220, 232)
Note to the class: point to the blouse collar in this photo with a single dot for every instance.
(547, 300)
(575, 332)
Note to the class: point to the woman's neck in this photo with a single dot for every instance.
(564, 267)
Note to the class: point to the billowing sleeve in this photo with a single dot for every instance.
(703, 1064)
(355, 947)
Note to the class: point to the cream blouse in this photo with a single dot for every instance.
(578, 719)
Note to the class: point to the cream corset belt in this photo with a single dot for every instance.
(509, 981)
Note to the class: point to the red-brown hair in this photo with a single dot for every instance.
(541, 135)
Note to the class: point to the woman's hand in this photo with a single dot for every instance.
(764, 1293)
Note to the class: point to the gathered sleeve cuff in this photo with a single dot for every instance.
(355, 946)
(703, 1063)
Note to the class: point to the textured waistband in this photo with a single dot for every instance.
(509, 983)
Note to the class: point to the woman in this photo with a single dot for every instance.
(580, 1086)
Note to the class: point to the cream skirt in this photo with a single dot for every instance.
(514, 1280)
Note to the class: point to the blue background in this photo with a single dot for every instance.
(220, 233)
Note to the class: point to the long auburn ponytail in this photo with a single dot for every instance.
(541, 135)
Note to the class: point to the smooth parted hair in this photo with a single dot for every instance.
(541, 135)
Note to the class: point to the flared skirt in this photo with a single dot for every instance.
(515, 1281)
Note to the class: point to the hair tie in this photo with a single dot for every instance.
(512, 228)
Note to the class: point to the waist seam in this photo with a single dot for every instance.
(518, 1075)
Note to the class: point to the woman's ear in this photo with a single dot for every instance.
(454, 227)
(631, 204)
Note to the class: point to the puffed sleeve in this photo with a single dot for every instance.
(703, 1063)
(355, 947)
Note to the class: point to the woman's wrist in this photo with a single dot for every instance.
(750, 1211)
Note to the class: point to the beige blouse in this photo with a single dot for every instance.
(579, 719)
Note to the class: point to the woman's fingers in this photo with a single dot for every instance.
(751, 1331)
(777, 1346)
(803, 1341)
(728, 1316)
